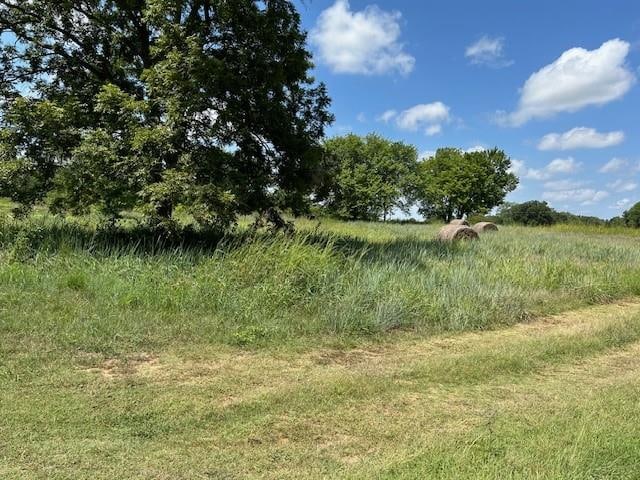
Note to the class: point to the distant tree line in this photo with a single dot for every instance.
(537, 213)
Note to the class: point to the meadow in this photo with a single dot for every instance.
(345, 350)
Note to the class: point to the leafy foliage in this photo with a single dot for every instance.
(371, 176)
(632, 216)
(157, 103)
(528, 213)
(567, 217)
(454, 183)
(534, 213)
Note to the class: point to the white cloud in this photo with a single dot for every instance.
(433, 130)
(584, 196)
(553, 168)
(614, 165)
(621, 204)
(412, 118)
(518, 168)
(578, 78)
(429, 116)
(364, 42)
(475, 148)
(623, 185)
(361, 117)
(563, 165)
(487, 51)
(557, 185)
(580, 137)
(535, 174)
(387, 116)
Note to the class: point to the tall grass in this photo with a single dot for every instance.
(74, 286)
(123, 353)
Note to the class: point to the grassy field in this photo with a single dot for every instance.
(346, 351)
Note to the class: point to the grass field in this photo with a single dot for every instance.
(346, 351)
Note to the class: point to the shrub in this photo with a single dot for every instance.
(528, 213)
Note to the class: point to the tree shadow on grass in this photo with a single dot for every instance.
(56, 236)
(409, 250)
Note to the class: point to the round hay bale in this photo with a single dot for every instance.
(451, 233)
(482, 227)
(459, 221)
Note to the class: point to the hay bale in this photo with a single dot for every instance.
(459, 221)
(482, 227)
(451, 233)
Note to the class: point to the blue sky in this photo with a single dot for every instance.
(554, 84)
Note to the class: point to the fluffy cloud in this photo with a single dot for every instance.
(387, 116)
(620, 204)
(623, 185)
(558, 185)
(433, 130)
(578, 78)
(487, 51)
(580, 137)
(614, 165)
(518, 168)
(584, 196)
(364, 42)
(553, 168)
(535, 174)
(563, 165)
(429, 116)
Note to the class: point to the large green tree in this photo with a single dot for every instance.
(631, 217)
(453, 183)
(371, 176)
(117, 104)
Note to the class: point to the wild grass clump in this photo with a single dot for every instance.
(73, 285)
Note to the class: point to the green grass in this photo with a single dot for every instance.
(101, 291)
(552, 400)
(349, 350)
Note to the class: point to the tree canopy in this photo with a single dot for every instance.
(530, 213)
(454, 184)
(632, 216)
(151, 104)
(370, 176)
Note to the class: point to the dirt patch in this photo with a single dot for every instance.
(141, 364)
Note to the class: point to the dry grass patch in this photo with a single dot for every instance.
(142, 364)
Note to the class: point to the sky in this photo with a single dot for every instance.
(552, 83)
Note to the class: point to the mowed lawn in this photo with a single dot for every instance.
(346, 351)
(556, 398)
